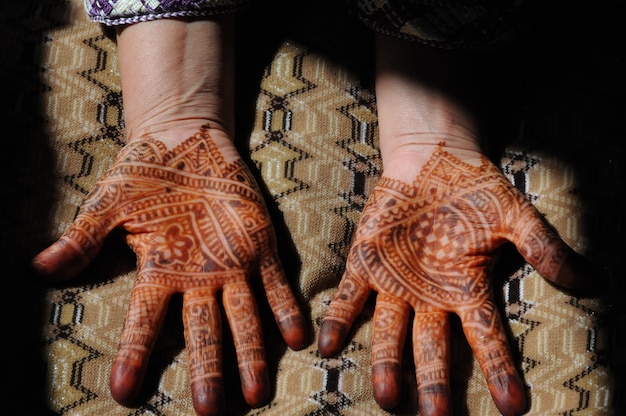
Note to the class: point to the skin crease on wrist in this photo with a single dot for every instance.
(421, 103)
(182, 88)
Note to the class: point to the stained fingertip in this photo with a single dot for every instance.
(255, 384)
(125, 382)
(59, 262)
(579, 275)
(295, 332)
(434, 400)
(42, 266)
(208, 397)
(387, 384)
(509, 394)
(331, 337)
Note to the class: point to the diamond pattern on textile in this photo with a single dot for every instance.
(331, 399)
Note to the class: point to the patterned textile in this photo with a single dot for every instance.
(312, 140)
(120, 12)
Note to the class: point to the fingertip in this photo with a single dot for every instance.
(509, 394)
(125, 382)
(58, 262)
(41, 265)
(298, 339)
(434, 400)
(45, 263)
(295, 333)
(331, 337)
(579, 275)
(255, 384)
(386, 381)
(208, 397)
(258, 396)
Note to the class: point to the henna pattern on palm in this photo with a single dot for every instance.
(427, 247)
(198, 226)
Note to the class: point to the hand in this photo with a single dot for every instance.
(199, 226)
(427, 246)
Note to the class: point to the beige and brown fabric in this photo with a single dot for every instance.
(312, 139)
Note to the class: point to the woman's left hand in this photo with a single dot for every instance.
(426, 248)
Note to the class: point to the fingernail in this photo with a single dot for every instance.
(208, 397)
(386, 380)
(331, 337)
(508, 394)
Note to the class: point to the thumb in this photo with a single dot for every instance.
(71, 253)
(542, 247)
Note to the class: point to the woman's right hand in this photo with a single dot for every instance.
(198, 224)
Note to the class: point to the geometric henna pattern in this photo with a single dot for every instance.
(198, 226)
(429, 246)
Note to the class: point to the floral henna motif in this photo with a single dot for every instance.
(429, 245)
(198, 226)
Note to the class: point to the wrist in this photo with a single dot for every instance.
(177, 76)
(172, 134)
(405, 156)
(424, 100)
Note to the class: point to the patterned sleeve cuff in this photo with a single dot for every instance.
(442, 23)
(121, 12)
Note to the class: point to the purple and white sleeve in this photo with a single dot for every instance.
(121, 12)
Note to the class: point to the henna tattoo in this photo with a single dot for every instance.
(439, 234)
(198, 225)
(431, 350)
(203, 336)
(390, 319)
(429, 245)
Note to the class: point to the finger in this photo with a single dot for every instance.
(283, 303)
(146, 312)
(543, 248)
(70, 254)
(83, 240)
(431, 351)
(342, 311)
(203, 338)
(243, 318)
(391, 319)
(484, 331)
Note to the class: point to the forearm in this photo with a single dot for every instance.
(177, 75)
(423, 100)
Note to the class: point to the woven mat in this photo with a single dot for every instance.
(312, 139)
